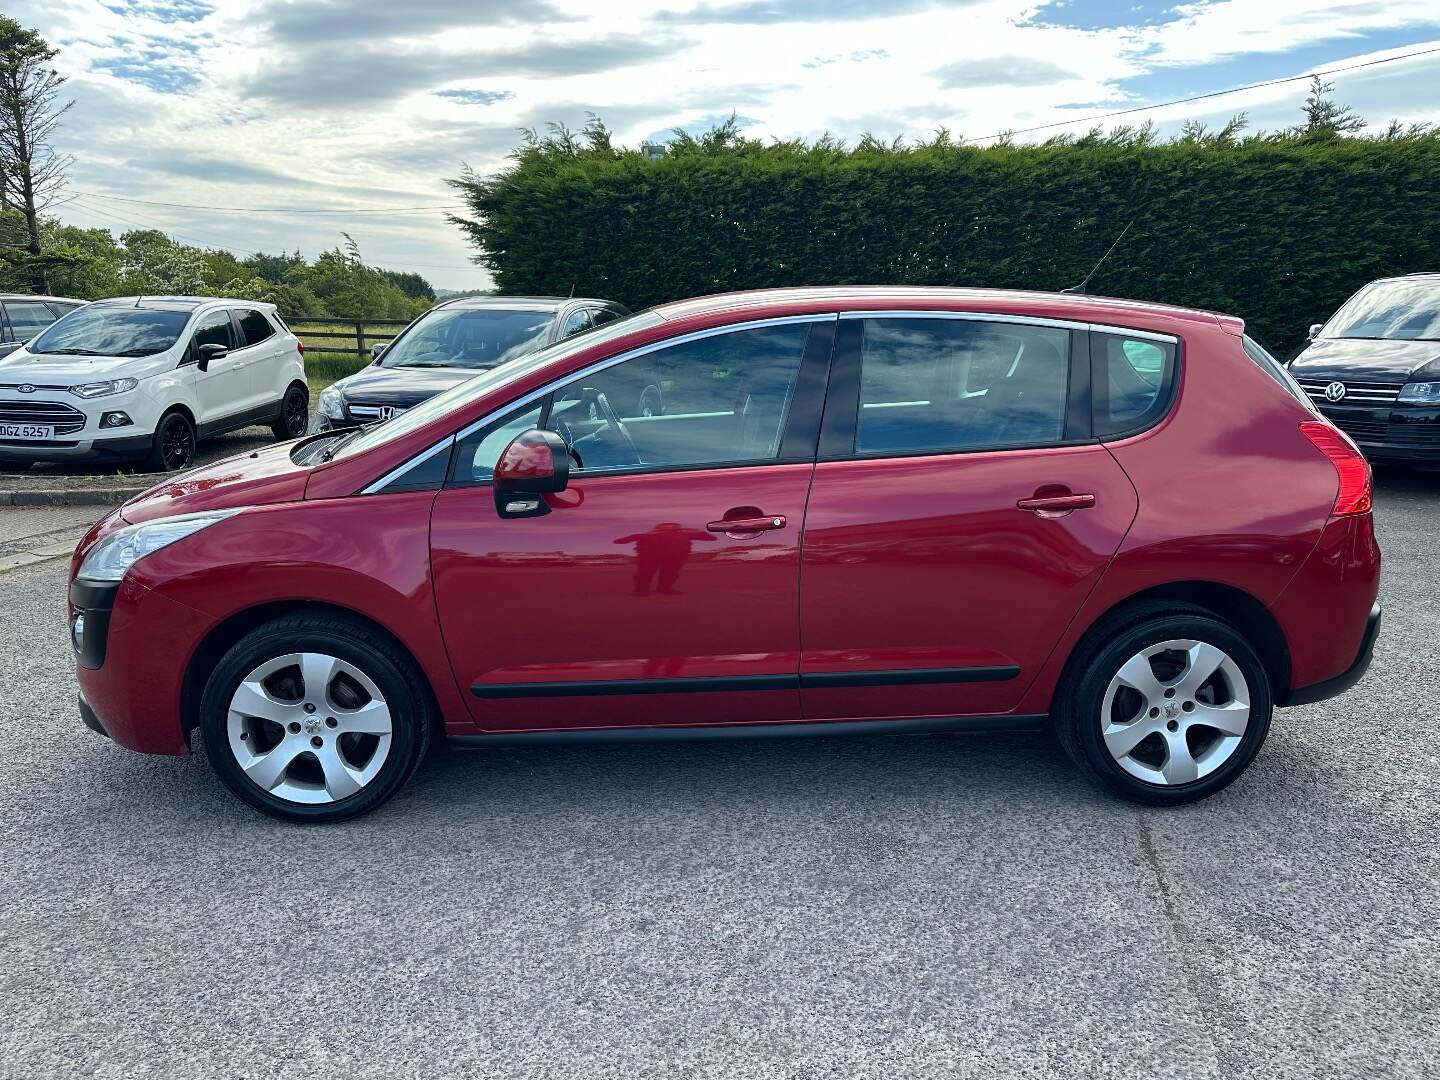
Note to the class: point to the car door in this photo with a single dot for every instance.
(662, 586)
(221, 390)
(262, 357)
(960, 514)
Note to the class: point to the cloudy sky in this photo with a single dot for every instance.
(358, 105)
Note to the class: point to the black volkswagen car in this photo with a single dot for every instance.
(452, 342)
(1374, 369)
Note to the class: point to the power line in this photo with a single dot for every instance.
(271, 209)
(1204, 97)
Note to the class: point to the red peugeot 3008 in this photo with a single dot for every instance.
(855, 510)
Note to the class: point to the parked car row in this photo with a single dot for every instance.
(848, 510)
(1373, 369)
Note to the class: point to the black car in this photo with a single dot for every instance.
(1374, 369)
(452, 342)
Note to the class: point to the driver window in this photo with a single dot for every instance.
(712, 401)
(213, 329)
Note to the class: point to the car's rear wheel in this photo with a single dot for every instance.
(172, 447)
(312, 717)
(1167, 707)
(294, 414)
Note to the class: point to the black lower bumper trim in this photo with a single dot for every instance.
(88, 717)
(1323, 691)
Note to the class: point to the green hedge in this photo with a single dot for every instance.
(1277, 229)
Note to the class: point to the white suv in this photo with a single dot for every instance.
(147, 377)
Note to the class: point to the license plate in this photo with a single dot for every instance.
(27, 431)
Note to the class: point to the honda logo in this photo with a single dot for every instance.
(388, 411)
(1335, 392)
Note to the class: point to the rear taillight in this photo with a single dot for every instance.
(300, 346)
(1355, 495)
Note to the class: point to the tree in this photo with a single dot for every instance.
(1325, 118)
(31, 173)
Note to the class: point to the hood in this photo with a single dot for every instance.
(23, 366)
(404, 386)
(258, 478)
(1388, 362)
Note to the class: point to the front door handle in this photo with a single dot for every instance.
(757, 524)
(1057, 504)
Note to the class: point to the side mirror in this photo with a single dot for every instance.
(1315, 329)
(536, 463)
(208, 352)
(377, 349)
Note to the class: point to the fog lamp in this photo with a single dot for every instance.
(115, 419)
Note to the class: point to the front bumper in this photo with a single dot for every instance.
(1323, 691)
(1402, 434)
(127, 448)
(140, 650)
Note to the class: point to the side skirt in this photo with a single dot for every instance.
(929, 725)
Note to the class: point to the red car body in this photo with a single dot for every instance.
(888, 571)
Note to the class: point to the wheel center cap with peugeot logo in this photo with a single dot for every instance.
(1171, 710)
(1335, 392)
(312, 725)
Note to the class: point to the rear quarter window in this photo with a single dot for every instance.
(1132, 382)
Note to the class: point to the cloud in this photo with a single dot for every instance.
(1001, 71)
(163, 75)
(369, 20)
(377, 74)
(475, 97)
(768, 12)
(165, 11)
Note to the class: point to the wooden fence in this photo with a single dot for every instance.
(345, 335)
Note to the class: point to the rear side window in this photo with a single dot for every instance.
(956, 384)
(1275, 370)
(1132, 382)
(28, 318)
(254, 325)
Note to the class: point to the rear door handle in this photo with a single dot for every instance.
(1058, 504)
(759, 524)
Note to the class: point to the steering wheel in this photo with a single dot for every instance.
(601, 406)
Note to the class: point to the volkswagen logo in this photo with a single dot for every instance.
(25, 388)
(1335, 392)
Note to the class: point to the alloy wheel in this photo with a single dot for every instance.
(1175, 712)
(309, 728)
(297, 413)
(177, 443)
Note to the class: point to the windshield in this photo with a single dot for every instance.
(112, 331)
(467, 391)
(1403, 310)
(478, 338)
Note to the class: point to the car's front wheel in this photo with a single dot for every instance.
(313, 718)
(1167, 707)
(294, 415)
(172, 446)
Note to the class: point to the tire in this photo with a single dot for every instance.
(294, 418)
(1189, 734)
(365, 754)
(172, 447)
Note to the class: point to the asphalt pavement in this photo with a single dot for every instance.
(926, 906)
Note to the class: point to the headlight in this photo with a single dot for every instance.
(1420, 393)
(110, 558)
(332, 403)
(104, 389)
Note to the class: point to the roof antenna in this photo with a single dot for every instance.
(138, 299)
(1081, 289)
(572, 292)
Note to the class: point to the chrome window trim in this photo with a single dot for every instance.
(1024, 320)
(600, 365)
